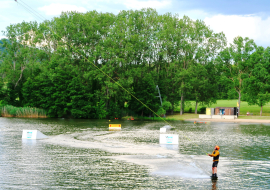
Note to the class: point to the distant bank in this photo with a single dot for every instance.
(231, 120)
(241, 118)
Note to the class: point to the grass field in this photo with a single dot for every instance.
(254, 109)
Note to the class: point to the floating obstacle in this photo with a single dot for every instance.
(165, 129)
(168, 139)
(199, 122)
(33, 134)
(114, 127)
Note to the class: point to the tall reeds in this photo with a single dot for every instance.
(11, 111)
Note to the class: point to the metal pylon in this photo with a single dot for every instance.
(157, 88)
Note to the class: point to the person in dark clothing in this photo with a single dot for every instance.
(215, 155)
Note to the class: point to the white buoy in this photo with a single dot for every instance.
(33, 134)
(168, 139)
(165, 128)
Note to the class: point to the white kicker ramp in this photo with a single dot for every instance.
(168, 139)
(165, 129)
(33, 134)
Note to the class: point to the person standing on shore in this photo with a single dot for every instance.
(215, 155)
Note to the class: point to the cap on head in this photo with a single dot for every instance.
(217, 147)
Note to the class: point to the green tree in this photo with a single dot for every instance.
(203, 86)
(235, 64)
(257, 85)
(101, 110)
(144, 91)
(68, 64)
(187, 42)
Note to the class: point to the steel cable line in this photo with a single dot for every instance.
(34, 10)
(30, 11)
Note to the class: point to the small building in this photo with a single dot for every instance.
(220, 113)
(210, 111)
(226, 111)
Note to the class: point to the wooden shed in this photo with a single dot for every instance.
(226, 111)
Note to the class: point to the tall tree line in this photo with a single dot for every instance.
(52, 65)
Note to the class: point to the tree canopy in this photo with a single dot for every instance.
(87, 65)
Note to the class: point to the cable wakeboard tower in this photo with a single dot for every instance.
(159, 95)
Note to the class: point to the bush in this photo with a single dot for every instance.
(166, 105)
(161, 111)
(202, 110)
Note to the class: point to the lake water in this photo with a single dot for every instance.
(84, 154)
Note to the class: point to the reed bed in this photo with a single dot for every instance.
(11, 111)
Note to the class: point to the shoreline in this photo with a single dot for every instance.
(193, 120)
(231, 120)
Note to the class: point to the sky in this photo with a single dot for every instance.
(246, 18)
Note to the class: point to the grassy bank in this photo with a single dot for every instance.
(254, 109)
(150, 118)
(183, 117)
(11, 111)
(174, 117)
(187, 116)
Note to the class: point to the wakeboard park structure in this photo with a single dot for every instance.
(165, 129)
(220, 113)
(168, 139)
(33, 134)
(165, 139)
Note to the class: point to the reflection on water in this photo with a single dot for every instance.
(170, 146)
(214, 184)
(83, 154)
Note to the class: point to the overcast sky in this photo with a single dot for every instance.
(246, 18)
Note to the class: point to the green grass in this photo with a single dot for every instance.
(150, 118)
(254, 109)
(183, 117)
(156, 118)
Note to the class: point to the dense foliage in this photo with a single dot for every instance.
(87, 65)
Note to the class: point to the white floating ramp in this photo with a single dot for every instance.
(165, 129)
(33, 134)
(168, 139)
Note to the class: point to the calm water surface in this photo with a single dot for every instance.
(83, 154)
